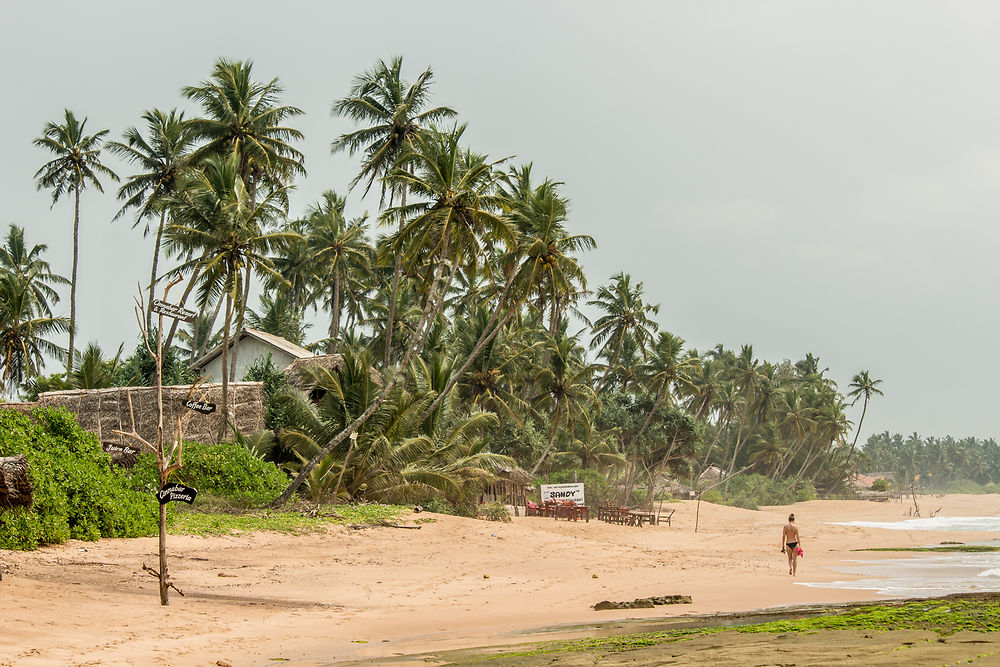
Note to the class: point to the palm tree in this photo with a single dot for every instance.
(212, 215)
(161, 157)
(862, 386)
(277, 316)
(626, 316)
(394, 113)
(77, 165)
(28, 265)
(340, 253)
(243, 117)
(457, 218)
(540, 213)
(665, 371)
(567, 392)
(24, 333)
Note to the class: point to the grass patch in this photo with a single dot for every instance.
(965, 548)
(943, 616)
(184, 521)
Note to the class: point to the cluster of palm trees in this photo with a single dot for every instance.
(454, 322)
(932, 462)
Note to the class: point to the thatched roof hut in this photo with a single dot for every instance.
(103, 411)
(15, 487)
(509, 486)
(331, 362)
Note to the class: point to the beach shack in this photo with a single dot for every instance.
(508, 486)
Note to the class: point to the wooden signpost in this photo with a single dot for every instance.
(176, 312)
(203, 407)
(169, 450)
(176, 492)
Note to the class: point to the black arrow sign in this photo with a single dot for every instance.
(176, 492)
(199, 406)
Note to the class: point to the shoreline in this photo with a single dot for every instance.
(456, 583)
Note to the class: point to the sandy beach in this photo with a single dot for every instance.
(380, 592)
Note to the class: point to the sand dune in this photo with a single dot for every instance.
(345, 594)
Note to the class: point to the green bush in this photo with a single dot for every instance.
(880, 484)
(495, 511)
(226, 470)
(78, 493)
(712, 496)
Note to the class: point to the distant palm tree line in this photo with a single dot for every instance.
(461, 306)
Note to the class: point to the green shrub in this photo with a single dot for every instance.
(78, 493)
(495, 511)
(226, 470)
(712, 496)
(880, 484)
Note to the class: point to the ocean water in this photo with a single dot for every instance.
(929, 573)
(935, 523)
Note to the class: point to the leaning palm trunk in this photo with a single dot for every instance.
(857, 432)
(490, 331)
(429, 314)
(552, 437)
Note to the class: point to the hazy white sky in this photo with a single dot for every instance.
(803, 176)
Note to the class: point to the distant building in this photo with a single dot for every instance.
(250, 346)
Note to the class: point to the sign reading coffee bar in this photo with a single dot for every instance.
(572, 492)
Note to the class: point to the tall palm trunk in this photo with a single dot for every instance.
(391, 317)
(331, 345)
(225, 365)
(152, 273)
(857, 432)
(242, 309)
(72, 287)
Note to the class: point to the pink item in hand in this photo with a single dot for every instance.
(798, 551)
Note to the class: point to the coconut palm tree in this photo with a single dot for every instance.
(76, 166)
(213, 216)
(245, 118)
(24, 333)
(28, 265)
(862, 386)
(161, 157)
(393, 113)
(567, 392)
(340, 254)
(626, 315)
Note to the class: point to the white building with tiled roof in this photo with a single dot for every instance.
(250, 346)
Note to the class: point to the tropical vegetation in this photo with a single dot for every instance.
(470, 338)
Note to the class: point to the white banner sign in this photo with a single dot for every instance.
(572, 492)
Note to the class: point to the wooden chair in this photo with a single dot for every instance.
(532, 509)
(667, 517)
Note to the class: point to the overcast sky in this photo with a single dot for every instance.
(802, 176)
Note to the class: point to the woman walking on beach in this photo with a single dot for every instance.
(790, 543)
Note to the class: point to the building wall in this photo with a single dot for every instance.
(249, 350)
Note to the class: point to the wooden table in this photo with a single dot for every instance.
(636, 518)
